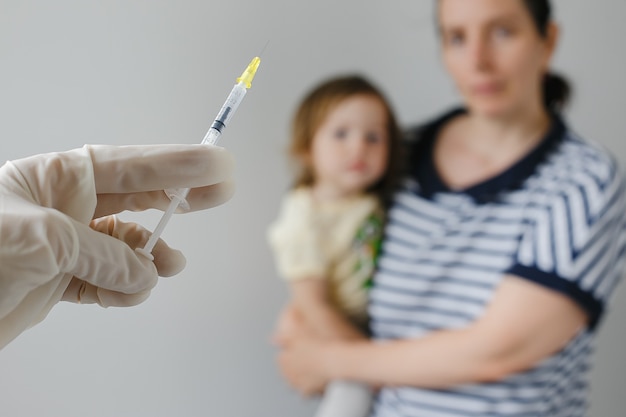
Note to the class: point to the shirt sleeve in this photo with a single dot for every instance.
(295, 241)
(575, 237)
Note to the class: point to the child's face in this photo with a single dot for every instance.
(350, 149)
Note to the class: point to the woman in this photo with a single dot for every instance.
(502, 248)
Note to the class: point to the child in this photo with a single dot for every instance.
(327, 235)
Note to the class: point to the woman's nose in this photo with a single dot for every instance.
(480, 54)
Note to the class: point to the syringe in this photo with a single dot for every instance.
(178, 196)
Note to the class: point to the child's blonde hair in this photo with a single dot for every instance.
(314, 109)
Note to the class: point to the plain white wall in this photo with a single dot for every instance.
(139, 72)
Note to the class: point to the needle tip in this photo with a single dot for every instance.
(264, 46)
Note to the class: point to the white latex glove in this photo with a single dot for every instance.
(59, 240)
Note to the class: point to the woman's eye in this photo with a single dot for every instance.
(502, 32)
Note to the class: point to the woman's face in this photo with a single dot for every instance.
(495, 54)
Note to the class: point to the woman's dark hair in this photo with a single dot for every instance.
(556, 89)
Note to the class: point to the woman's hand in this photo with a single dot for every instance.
(306, 329)
(301, 356)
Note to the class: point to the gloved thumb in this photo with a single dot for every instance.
(107, 259)
(168, 261)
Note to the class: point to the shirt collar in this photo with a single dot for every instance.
(430, 183)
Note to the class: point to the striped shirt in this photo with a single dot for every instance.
(557, 217)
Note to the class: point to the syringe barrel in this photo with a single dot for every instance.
(178, 196)
(225, 114)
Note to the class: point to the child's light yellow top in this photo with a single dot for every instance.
(336, 241)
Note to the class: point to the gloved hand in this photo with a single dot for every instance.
(60, 240)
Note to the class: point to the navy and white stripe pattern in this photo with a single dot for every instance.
(558, 218)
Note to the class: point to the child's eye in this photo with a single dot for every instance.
(341, 133)
(373, 137)
(455, 39)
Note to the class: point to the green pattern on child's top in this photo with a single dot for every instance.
(367, 243)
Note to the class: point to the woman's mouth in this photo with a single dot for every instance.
(485, 89)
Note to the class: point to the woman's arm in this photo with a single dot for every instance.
(524, 324)
(311, 306)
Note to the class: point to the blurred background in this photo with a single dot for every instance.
(121, 72)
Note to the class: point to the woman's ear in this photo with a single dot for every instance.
(552, 39)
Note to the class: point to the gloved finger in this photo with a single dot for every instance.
(82, 292)
(132, 169)
(167, 261)
(107, 262)
(198, 198)
(61, 180)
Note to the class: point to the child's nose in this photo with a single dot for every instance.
(359, 147)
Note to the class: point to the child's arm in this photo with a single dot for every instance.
(310, 300)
